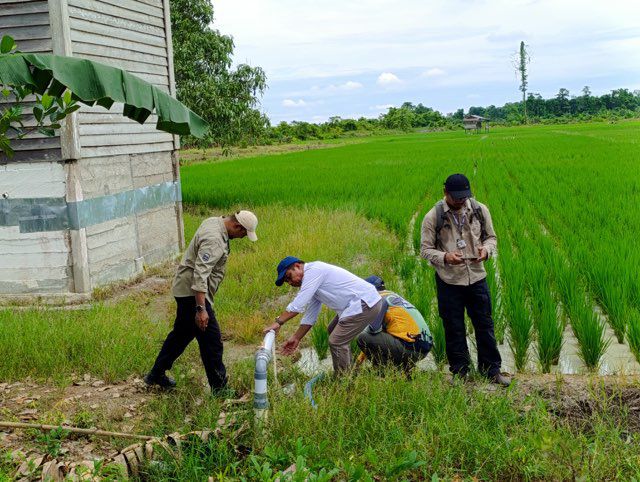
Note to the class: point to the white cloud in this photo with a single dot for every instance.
(382, 107)
(329, 89)
(350, 85)
(434, 72)
(293, 103)
(387, 78)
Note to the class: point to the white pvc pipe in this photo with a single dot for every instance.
(269, 340)
(263, 356)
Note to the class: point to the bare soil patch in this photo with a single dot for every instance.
(216, 154)
(578, 398)
(86, 403)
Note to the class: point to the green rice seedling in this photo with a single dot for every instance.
(548, 325)
(407, 266)
(633, 333)
(568, 288)
(550, 328)
(498, 319)
(320, 336)
(611, 292)
(589, 330)
(520, 327)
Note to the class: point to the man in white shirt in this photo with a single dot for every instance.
(356, 303)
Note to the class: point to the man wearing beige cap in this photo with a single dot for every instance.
(196, 281)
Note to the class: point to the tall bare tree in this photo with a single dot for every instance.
(521, 63)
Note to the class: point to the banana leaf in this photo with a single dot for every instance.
(96, 83)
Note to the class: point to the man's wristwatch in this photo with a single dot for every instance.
(200, 308)
(279, 321)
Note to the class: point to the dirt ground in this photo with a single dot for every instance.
(87, 403)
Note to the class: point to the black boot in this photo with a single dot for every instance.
(162, 381)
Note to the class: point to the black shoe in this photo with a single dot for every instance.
(162, 381)
(500, 379)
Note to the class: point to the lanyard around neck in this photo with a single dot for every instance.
(459, 222)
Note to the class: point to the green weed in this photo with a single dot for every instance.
(320, 337)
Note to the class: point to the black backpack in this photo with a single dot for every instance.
(441, 217)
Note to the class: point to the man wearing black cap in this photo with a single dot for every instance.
(457, 237)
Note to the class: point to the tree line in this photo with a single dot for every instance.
(562, 108)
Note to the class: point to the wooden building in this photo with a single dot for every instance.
(102, 200)
(475, 123)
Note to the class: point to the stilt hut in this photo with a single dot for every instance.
(475, 123)
(101, 201)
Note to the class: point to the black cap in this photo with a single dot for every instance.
(458, 186)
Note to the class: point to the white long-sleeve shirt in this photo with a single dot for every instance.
(337, 288)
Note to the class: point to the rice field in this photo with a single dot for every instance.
(564, 286)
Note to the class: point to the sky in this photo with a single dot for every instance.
(357, 58)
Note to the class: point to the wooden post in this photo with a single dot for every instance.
(70, 147)
(175, 159)
(61, 43)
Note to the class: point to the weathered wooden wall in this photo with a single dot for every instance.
(28, 23)
(35, 262)
(120, 178)
(119, 154)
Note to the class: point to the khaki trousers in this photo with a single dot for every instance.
(342, 332)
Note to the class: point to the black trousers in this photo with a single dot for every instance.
(452, 302)
(184, 331)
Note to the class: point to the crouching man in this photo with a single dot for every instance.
(401, 337)
(356, 303)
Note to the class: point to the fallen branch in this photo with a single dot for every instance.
(84, 431)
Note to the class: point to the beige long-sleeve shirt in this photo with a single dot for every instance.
(469, 272)
(203, 264)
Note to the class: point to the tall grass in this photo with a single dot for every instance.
(109, 342)
(452, 433)
(455, 433)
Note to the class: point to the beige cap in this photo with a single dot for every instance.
(249, 222)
